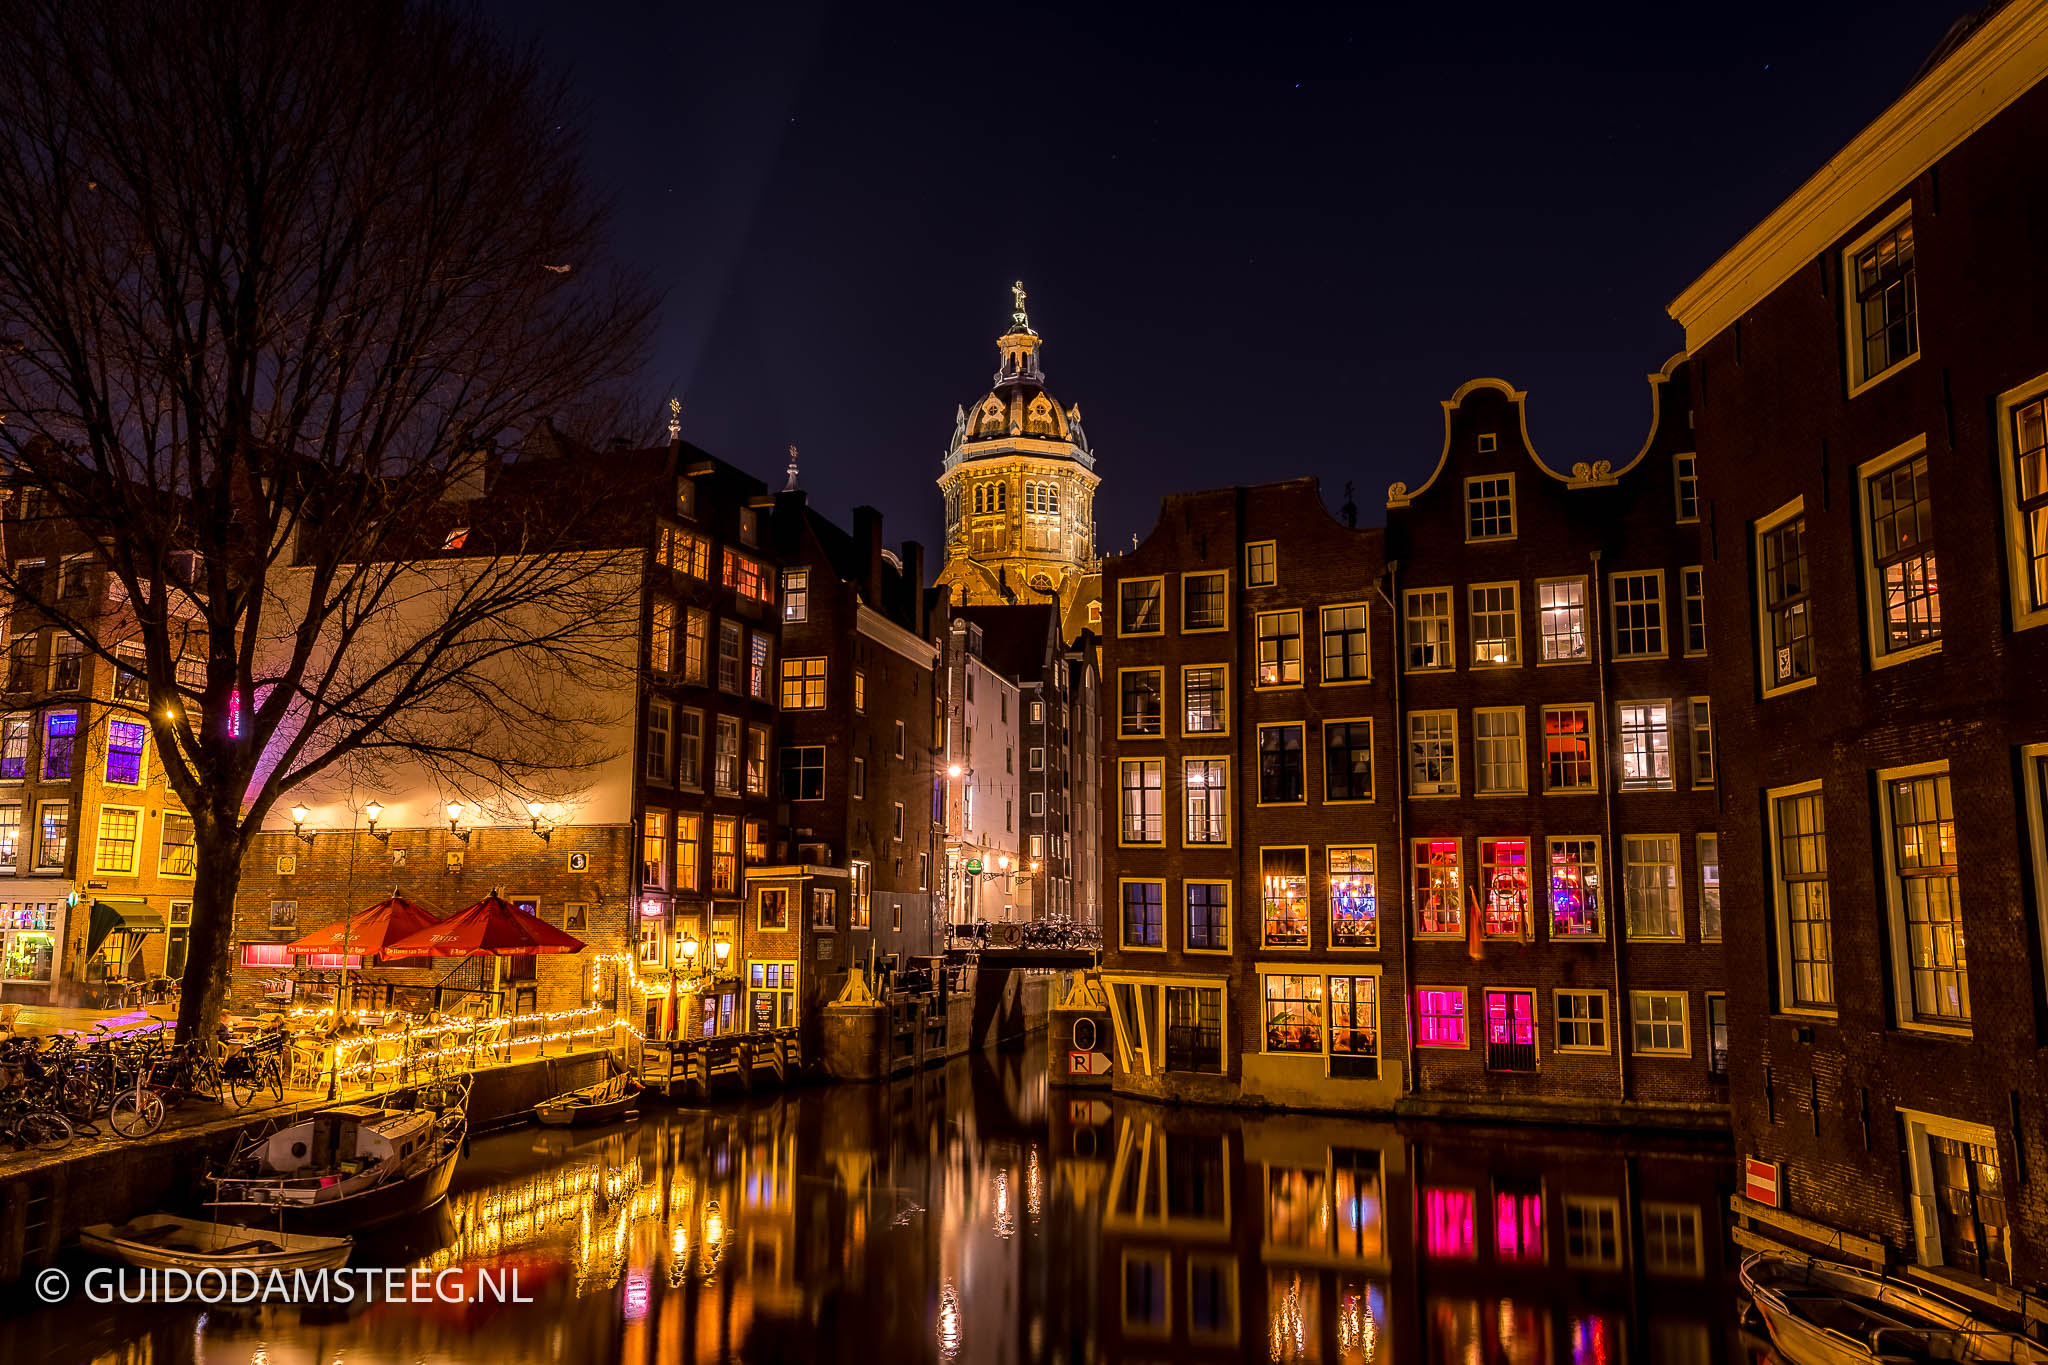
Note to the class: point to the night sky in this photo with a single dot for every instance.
(1260, 241)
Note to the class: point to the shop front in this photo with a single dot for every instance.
(117, 933)
(31, 950)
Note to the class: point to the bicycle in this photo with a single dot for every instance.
(258, 1067)
(140, 1110)
(29, 1125)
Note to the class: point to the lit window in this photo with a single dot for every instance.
(1143, 814)
(1139, 606)
(796, 594)
(124, 752)
(1283, 880)
(860, 914)
(1347, 647)
(1279, 648)
(1787, 607)
(1439, 883)
(1805, 928)
(1957, 1181)
(1504, 888)
(1883, 312)
(1904, 583)
(724, 854)
(1490, 507)
(725, 756)
(654, 850)
(120, 830)
(1497, 750)
(1432, 753)
(1568, 751)
(1927, 922)
(696, 623)
(1141, 705)
(803, 684)
(1261, 564)
(1206, 784)
(1651, 901)
(1280, 765)
(689, 851)
(1440, 1017)
(1575, 895)
(1685, 475)
(1581, 1021)
(1354, 896)
(1496, 625)
(745, 576)
(2025, 473)
(60, 736)
(1645, 734)
(1428, 629)
(1347, 760)
(1294, 1017)
(1561, 615)
(1510, 1018)
(1659, 1019)
(1144, 914)
(757, 761)
(14, 737)
(1205, 693)
(1638, 614)
(53, 835)
(1203, 601)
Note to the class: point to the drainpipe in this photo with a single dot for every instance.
(1400, 830)
(1606, 720)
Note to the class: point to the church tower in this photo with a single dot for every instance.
(1019, 487)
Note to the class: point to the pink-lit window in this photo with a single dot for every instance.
(1439, 1017)
(1511, 1017)
(266, 955)
(235, 714)
(1439, 887)
(1504, 887)
(1447, 1224)
(1517, 1227)
(328, 961)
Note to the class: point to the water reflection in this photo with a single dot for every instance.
(970, 1215)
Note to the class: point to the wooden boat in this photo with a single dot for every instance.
(346, 1168)
(1823, 1313)
(606, 1102)
(166, 1241)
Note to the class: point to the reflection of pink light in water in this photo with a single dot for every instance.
(1518, 1227)
(636, 1296)
(1447, 1223)
(1592, 1341)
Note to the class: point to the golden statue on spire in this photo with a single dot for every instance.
(1023, 322)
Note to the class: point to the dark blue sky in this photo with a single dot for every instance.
(1260, 241)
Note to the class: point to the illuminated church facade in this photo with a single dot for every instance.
(1019, 487)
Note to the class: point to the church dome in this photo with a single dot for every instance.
(1018, 408)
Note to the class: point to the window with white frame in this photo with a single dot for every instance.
(1261, 564)
(796, 595)
(1490, 507)
(1693, 584)
(1141, 704)
(1205, 697)
(2024, 471)
(1592, 1232)
(125, 742)
(690, 749)
(1685, 478)
(1700, 720)
(1883, 311)
(1962, 1218)
(1432, 753)
(1650, 886)
(1427, 629)
(1927, 922)
(1143, 811)
(119, 840)
(1437, 869)
(1577, 894)
(1709, 846)
(1204, 599)
(1786, 606)
(1806, 947)
(1659, 1020)
(1638, 600)
(1496, 625)
(1904, 584)
(1037, 805)
(1644, 731)
(1561, 619)
(1279, 648)
(1346, 646)
(1347, 760)
(1206, 787)
(1569, 754)
(725, 756)
(1498, 751)
(1036, 759)
(660, 721)
(1671, 1239)
(1581, 1021)
(1139, 602)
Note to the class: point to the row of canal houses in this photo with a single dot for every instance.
(1695, 786)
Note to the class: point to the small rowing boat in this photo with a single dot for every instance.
(605, 1102)
(167, 1241)
(1822, 1313)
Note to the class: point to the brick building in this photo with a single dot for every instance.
(95, 849)
(1871, 365)
(1557, 801)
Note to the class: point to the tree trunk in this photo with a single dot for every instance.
(204, 988)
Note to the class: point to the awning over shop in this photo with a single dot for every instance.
(132, 917)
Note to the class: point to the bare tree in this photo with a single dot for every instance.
(276, 280)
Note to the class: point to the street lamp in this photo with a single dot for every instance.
(722, 950)
(375, 811)
(954, 771)
(547, 836)
(299, 814)
(455, 821)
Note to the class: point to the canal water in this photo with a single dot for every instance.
(973, 1214)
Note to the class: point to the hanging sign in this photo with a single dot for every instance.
(974, 867)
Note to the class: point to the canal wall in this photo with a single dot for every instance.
(45, 1198)
(885, 1038)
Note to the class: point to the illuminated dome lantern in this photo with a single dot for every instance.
(1019, 487)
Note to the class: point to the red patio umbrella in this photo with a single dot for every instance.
(369, 931)
(490, 928)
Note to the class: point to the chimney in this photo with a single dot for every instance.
(913, 576)
(867, 541)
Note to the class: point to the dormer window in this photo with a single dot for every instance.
(1490, 507)
(686, 497)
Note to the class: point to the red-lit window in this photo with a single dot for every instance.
(1447, 1224)
(1439, 887)
(1510, 1017)
(1440, 1017)
(266, 955)
(748, 578)
(1504, 887)
(1517, 1227)
(326, 961)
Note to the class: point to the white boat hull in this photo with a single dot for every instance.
(165, 1241)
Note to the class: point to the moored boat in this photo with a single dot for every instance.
(345, 1168)
(167, 1241)
(605, 1102)
(1823, 1313)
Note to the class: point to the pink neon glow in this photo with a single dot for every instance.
(1447, 1222)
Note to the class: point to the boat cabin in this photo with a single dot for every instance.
(347, 1138)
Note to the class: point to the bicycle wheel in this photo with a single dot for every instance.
(275, 1074)
(136, 1113)
(46, 1130)
(242, 1089)
(78, 1097)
